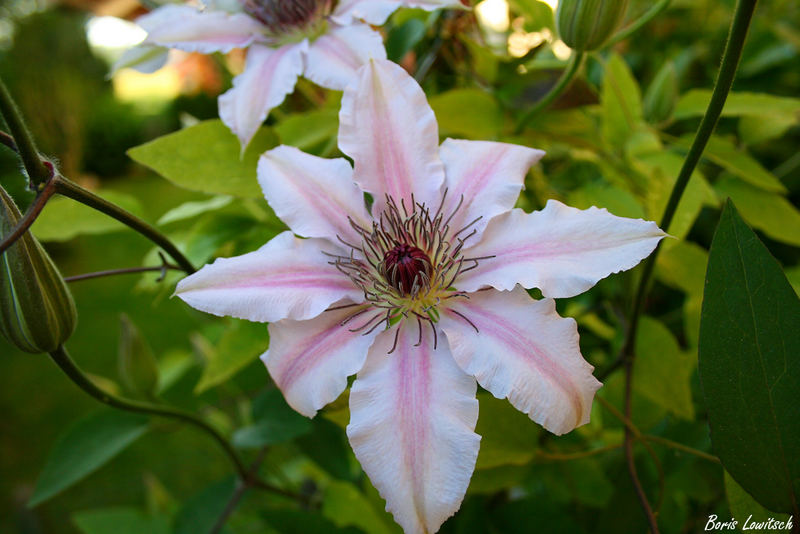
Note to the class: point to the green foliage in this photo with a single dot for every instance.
(207, 158)
(749, 343)
(50, 226)
(85, 447)
(241, 344)
(119, 520)
(273, 422)
(138, 368)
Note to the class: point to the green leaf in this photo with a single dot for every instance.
(662, 169)
(695, 102)
(483, 121)
(200, 513)
(508, 435)
(84, 447)
(346, 506)
(683, 266)
(241, 344)
(119, 520)
(50, 226)
(772, 214)
(327, 446)
(537, 15)
(189, 210)
(661, 94)
(662, 372)
(759, 128)
(749, 365)
(308, 130)
(138, 367)
(275, 422)
(743, 507)
(403, 38)
(725, 154)
(621, 102)
(618, 201)
(207, 157)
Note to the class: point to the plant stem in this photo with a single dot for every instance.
(30, 216)
(632, 28)
(241, 488)
(8, 141)
(84, 196)
(61, 357)
(38, 173)
(730, 62)
(681, 447)
(566, 77)
(115, 272)
(71, 369)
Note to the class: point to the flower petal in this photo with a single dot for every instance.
(313, 196)
(484, 177)
(412, 421)
(269, 75)
(186, 28)
(524, 351)
(311, 360)
(143, 58)
(561, 250)
(286, 278)
(388, 128)
(377, 11)
(334, 58)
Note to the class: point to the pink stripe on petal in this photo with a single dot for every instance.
(316, 197)
(561, 250)
(412, 420)
(388, 128)
(485, 177)
(523, 351)
(286, 278)
(311, 360)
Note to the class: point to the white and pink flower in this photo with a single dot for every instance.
(324, 40)
(423, 297)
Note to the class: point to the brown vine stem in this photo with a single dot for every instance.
(131, 270)
(8, 141)
(30, 216)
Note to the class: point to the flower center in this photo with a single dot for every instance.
(289, 17)
(406, 267)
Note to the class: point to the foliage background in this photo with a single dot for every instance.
(615, 139)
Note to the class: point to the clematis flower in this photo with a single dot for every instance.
(324, 40)
(423, 297)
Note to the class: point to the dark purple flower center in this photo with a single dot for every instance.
(286, 16)
(405, 266)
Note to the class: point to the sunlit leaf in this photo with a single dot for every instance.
(193, 209)
(744, 507)
(119, 520)
(308, 130)
(662, 370)
(483, 121)
(240, 346)
(621, 102)
(344, 505)
(749, 365)
(207, 157)
(695, 102)
(771, 213)
(83, 220)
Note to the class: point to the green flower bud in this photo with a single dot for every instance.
(585, 25)
(37, 313)
(137, 364)
(661, 95)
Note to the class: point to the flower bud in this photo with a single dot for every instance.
(662, 94)
(585, 25)
(37, 313)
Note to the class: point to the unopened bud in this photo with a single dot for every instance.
(585, 25)
(37, 313)
(661, 95)
(137, 365)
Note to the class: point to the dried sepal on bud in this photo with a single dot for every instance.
(37, 313)
(584, 25)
